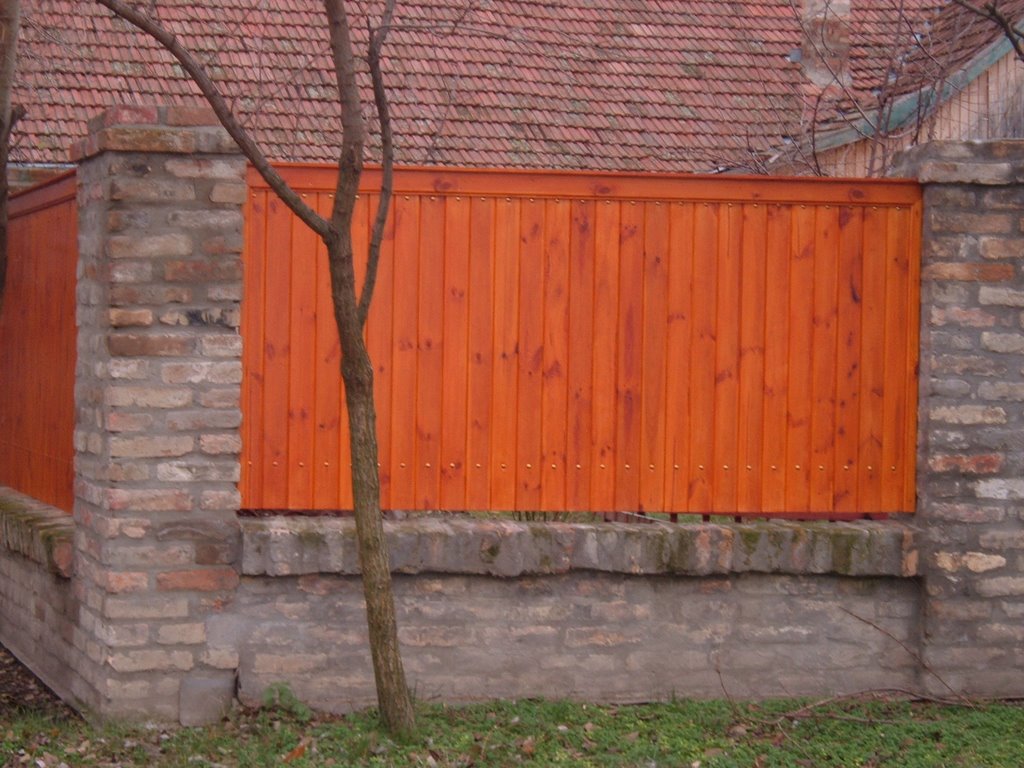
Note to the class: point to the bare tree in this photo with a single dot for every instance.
(350, 307)
(10, 21)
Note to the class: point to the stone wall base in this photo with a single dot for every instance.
(38, 609)
(591, 636)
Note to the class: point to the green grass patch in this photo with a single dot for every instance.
(850, 732)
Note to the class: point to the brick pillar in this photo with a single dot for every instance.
(971, 463)
(157, 438)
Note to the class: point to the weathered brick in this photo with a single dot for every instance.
(976, 562)
(125, 581)
(969, 223)
(221, 345)
(1001, 586)
(147, 397)
(968, 317)
(149, 500)
(966, 512)
(1001, 390)
(222, 245)
(968, 414)
(206, 219)
(968, 272)
(220, 398)
(206, 419)
(146, 607)
(148, 190)
(129, 295)
(149, 345)
(202, 270)
(199, 372)
(999, 540)
(151, 446)
(153, 139)
(131, 272)
(206, 168)
(120, 318)
(191, 633)
(1001, 488)
(229, 193)
(965, 364)
(1000, 248)
(1007, 343)
(173, 244)
(220, 444)
(150, 660)
(121, 421)
(976, 464)
(210, 579)
(220, 500)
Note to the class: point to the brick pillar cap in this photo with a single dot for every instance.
(992, 163)
(185, 129)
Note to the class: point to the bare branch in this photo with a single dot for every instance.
(990, 11)
(227, 119)
(380, 99)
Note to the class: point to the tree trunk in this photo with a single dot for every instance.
(10, 21)
(393, 697)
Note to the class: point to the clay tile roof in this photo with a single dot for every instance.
(654, 85)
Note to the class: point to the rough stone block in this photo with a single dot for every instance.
(205, 698)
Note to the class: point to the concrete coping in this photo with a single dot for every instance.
(42, 533)
(300, 545)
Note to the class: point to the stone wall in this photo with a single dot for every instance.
(38, 611)
(619, 612)
(971, 415)
(171, 600)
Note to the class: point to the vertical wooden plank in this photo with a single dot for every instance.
(750, 414)
(405, 336)
(531, 354)
(652, 465)
(330, 417)
(301, 362)
(254, 303)
(872, 374)
(455, 303)
(629, 363)
(678, 362)
(801, 361)
(580, 374)
(727, 353)
(429, 383)
(481, 358)
(702, 352)
(556, 355)
(913, 248)
(380, 345)
(776, 356)
(606, 310)
(895, 376)
(277, 353)
(505, 388)
(823, 374)
(849, 305)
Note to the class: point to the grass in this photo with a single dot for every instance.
(852, 732)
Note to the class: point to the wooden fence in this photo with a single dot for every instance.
(550, 341)
(37, 344)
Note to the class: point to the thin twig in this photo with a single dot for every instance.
(913, 654)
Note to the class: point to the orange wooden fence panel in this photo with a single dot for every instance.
(553, 341)
(37, 344)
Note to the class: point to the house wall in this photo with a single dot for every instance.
(987, 108)
(176, 601)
